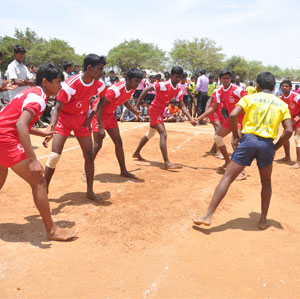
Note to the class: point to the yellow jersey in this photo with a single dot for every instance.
(251, 89)
(263, 114)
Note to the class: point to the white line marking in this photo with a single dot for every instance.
(184, 142)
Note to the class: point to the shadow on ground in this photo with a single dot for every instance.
(246, 224)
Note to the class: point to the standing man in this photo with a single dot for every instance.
(263, 114)
(239, 82)
(201, 88)
(18, 73)
(68, 69)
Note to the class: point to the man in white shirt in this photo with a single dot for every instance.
(18, 73)
(68, 69)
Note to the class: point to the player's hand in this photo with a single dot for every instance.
(47, 140)
(194, 122)
(137, 113)
(49, 131)
(36, 168)
(204, 121)
(88, 123)
(101, 132)
(235, 142)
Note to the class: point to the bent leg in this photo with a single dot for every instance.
(39, 192)
(229, 176)
(144, 140)
(98, 142)
(266, 192)
(223, 132)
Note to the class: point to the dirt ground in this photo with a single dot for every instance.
(141, 243)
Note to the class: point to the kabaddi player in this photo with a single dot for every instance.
(263, 114)
(165, 92)
(228, 95)
(16, 121)
(105, 119)
(70, 114)
(292, 99)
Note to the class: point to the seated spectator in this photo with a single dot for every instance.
(172, 113)
(128, 116)
(119, 111)
(144, 112)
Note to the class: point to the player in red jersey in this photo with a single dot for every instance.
(293, 100)
(71, 113)
(105, 119)
(16, 152)
(229, 95)
(165, 92)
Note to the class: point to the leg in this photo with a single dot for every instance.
(39, 191)
(98, 141)
(57, 147)
(222, 132)
(297, 140)
(3, 176)
(229, 176)
(266, 192)
(86, 145)
(115, 136)
(287, 155)
(144, 140)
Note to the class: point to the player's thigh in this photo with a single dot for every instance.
(3, 176)
(160, 128)
(217, 125)
(223, 131)
(98, 139)
(233, 170)
(115, 136)
(86, 144)
(58, 143)
(265, 173)
(22, 170)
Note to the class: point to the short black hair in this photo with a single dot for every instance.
(93, 60)
(134, 73)
(111, 71)
(211, 76)
(19, 49)
(67, 64)
(158, 75)
(176, 70)
(266, 80)
(173, 101)
(193, 77)
(251, 83)
(202, 71)
(288, 82)
(297, 85)
(1, 54)
(152, 77)
(167, 74)
(49, 71)
(225, 72)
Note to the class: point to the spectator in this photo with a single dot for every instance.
(251, 89)
(151, 94)
(111, 78)
(144, 112)
(68, 69)
(202, 88)
(172, 113)
(18, 73)
(33, 70)
(297, 90)
(127, 115)
(184, 85)
(123, 79)
(239, 82)
(211, 85)
(192, 89)
(76, 69)
(158, 78)
(119, 111)
(167, 76)
(140, 87)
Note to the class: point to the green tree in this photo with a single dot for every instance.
(254, 68)
(135, 53)
(38, 49)
(196, 54)
(238, 65)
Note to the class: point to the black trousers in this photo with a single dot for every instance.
(202, 99)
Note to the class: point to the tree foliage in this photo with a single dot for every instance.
(196, 54)
(135, 53)
(38, 49)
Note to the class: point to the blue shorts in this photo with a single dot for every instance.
(254, 147)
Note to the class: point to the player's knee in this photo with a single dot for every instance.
(53, 160)
(163, 135)
(218, 140)
(151, 132)
(297, 140)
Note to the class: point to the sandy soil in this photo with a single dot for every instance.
(141, 243)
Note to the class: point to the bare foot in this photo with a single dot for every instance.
(203, 220)
(218, 155)
(127, 174)
(170, 165)
(83, 177)
(285, 159)
(138, 156)
(242, 176)
(93, 196)
(61, 234)
(296, 165)
(263, 224)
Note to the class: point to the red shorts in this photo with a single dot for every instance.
(156, 117)
(71, 122)
(226, 123)
(296, 125)
(109, 121)
(216, 116)
(11, 153)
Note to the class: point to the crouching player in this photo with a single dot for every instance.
(263, 114)
(16, 121)
(293, 100)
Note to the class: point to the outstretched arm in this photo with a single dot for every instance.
(286, 134)
(143, 95)
(209, 111)
(233, 118)
(193, 121)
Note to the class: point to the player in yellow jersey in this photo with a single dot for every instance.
(251, 89)
(263, 114)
